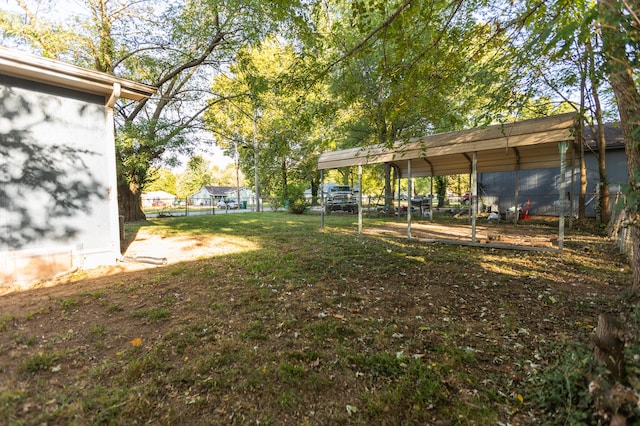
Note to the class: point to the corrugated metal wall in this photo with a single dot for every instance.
(541, 186)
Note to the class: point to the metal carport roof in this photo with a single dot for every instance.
(528, 144)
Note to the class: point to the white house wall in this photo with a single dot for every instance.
(57, 194)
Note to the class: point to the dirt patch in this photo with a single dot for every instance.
(151, 247)
(486, 233)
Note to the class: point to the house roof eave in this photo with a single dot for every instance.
(57, 73)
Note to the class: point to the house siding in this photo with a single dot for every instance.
(541, 187)
(201, 198)
(58, 192)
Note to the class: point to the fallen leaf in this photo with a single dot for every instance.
(136, 342)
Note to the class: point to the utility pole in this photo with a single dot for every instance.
(256, 115)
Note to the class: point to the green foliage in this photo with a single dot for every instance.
(137, 144)
(152, 314)
(560, 387)
(67, 305)
(4, 320)
(39, 362)
(255, 331)
(173, 46)
(441, 188)
(298, 207)
(48, 39)
(196, 175)
(294, 197)
(266, 115)
(161, 179)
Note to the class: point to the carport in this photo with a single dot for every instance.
(540, 143)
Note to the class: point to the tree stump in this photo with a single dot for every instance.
(609, 345)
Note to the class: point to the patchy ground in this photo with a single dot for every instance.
(277, 322)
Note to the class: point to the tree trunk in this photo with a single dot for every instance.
(582, 205)
(603, 196)
(610, 346)
(285, 182)
(130, 203)
(582, 208)
(388, 194)
(582, 214)
(603, 193)
(628, 100)
(441, 190)
(315, 184)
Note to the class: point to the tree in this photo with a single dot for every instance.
(161, 180)
(175, 46)
(570, 62)
(411, 71)
(564, 23)
(619, 24)
(228, 176)
(441, 189)
(196, 175)
(268, 118)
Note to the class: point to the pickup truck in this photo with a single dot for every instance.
(341, 198)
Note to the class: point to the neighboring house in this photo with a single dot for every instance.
(539, 187)
(210, 195)
(58, 187)
(157, 198)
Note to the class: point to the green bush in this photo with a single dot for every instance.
(298, 207)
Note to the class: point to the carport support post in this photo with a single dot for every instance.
(474, 195)
(431, 196)
(360, 199)
(516, 204)
(563, 147)
(516, 211)
(399, 194)
(322, 207)
(409, 192)
(572, 187)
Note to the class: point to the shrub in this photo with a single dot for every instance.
(298, 207)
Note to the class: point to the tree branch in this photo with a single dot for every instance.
(364, 41)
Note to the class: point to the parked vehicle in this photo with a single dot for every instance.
(227, 204)
(341, 198)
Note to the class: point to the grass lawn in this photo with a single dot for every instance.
(315, 326)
